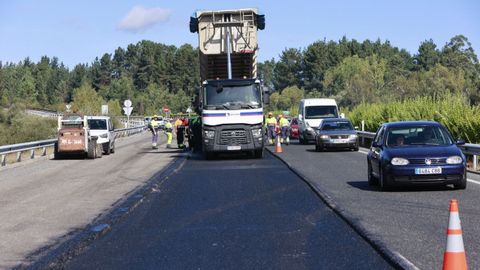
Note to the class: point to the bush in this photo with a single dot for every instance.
(460, 118)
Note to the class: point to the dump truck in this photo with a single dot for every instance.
(231, 98)
(74, 138)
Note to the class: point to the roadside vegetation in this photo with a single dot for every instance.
(18, 127)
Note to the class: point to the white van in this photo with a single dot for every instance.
(310, 114)
(102, 127)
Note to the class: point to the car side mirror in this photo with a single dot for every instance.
(300, 117)
(376, 144)
(460, 142)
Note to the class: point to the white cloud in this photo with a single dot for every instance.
(139, 18)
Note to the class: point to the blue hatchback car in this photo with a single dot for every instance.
(415, 152)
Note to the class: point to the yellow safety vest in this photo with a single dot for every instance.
(271, 121)
(284, 122)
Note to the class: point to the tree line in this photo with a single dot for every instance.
(365, 72)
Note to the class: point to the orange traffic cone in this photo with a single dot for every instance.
(278, 147)
(454, 256)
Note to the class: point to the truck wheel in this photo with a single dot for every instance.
(208, 155)
(56, 154)
(258, 153)
(92, 150)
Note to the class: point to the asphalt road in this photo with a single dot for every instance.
(230, 214)
(410, 222)
(42, 202)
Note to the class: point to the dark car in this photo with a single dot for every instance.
(415, 152)
(294, 128)
(336, 133)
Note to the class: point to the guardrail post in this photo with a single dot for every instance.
(44, 151)
(32, 154)
(19, 156)
(475, 162)
(3, 160)
(363, 129)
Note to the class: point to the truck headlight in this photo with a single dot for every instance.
(257, 133)
(454, 160)
(398, 161)
(209, 134)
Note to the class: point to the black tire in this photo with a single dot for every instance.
(384, 186)
(208, 155)
(92, 149)
(301, 139)
(56, 154)
(106, 148)
(372, 181)
(112, 150)
(356, 149)
(462, 184)
(258, 153)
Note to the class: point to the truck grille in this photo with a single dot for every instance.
(233, 137)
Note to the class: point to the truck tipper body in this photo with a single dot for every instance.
(231, 98)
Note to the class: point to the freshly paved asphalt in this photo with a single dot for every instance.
(232, 213)
(409, 222)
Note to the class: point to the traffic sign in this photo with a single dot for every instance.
(127, 103)
(165, 109)
(127, 110)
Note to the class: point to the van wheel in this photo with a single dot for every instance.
(106, 148)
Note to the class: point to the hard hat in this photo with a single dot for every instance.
(155, 116)
(280, 116)
(270, 113)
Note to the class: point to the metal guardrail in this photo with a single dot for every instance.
(20, 148)
(467, 149)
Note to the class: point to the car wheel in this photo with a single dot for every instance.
(462, 183)
(356, 149)
(112, 150)
(106, 148)
(384, 186)
(372, 181)
(317, 148)
(301, 140)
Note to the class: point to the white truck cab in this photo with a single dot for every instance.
(102, 127)
(311, 112)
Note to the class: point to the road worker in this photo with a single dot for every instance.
(270, 124)
(153, 126)
(285, 130)
(168, 131)
(180, 126)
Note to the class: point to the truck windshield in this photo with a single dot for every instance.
(318, 112)
(232, 97)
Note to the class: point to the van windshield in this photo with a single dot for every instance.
(318, 112)
(97, 124)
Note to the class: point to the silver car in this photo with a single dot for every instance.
(336, 133)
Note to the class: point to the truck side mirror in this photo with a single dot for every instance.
(300, 117)
(266, 98)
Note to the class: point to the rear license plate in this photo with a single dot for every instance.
(437, 170)
(235, 147)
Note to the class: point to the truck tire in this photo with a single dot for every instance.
(208, 155)
(258, 153)
(92, 149)
(56, 154)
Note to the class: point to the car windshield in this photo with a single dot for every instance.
(238, 96)
(417, 135)
(318, 112)
(97, 124)
(336, 125)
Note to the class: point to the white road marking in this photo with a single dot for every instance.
(468, 179)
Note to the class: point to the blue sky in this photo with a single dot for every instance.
(78, 31)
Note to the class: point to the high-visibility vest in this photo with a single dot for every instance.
(154, 123)
(168, 127)
(284, 122)
(271, 121)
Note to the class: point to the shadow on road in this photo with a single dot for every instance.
(363, 185)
